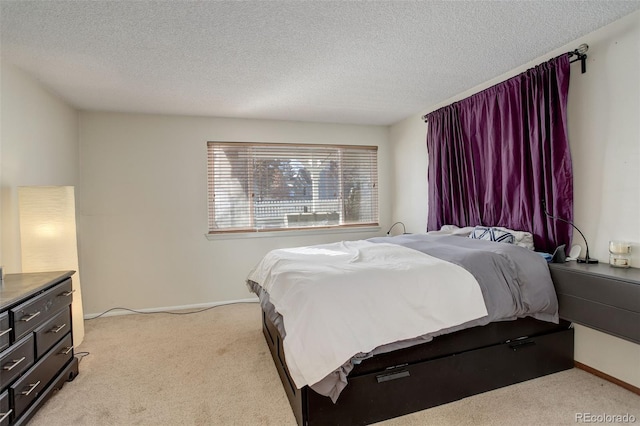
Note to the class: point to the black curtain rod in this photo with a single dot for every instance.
(580, 55)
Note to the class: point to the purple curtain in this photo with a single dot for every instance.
(496, 157)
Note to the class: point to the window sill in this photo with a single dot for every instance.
(292, 233)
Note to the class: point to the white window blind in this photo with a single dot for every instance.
(256, 187)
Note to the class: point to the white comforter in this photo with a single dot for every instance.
(341, 299)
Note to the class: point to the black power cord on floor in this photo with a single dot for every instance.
(81, 355)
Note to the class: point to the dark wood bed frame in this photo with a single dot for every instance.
(451, 367)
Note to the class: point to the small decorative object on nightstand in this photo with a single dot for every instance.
(620, 254)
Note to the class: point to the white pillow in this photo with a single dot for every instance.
(522, 238)
(453, 230)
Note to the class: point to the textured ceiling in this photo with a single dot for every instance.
(369, 62)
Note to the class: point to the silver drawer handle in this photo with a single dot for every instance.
(32, 386)
(5, 415)
(29, 317)
(67, 293)
(57, 330)
(66, 350)
(15, 362)
(3, 332)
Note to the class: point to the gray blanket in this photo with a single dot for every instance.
(515, 283)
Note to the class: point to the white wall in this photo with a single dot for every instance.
(604, 133)
(409, 158)
(143, 209)
(39, 146)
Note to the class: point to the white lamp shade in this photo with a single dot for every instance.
(48, 238)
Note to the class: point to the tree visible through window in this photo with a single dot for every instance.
(281, 179)
(254, 187)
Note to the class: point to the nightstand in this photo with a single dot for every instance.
(600, 297)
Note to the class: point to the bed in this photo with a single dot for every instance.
(471, 351)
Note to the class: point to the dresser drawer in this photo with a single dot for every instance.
(606, 290)
(600, 297)
(30, 386)
(608, 319)
(49, 333)
(29, 315)
(5, 411)
(5, 331)
(16, 360)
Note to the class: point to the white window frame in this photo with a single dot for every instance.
(320, 214)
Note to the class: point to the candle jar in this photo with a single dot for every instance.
(620, 254)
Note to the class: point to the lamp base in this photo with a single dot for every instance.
(589, 261)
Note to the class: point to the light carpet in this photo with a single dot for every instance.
(214, 368)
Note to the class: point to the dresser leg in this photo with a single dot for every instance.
(72, 369)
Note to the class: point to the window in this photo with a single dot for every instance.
(256, 187)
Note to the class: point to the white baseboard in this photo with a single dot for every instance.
(119, 311)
